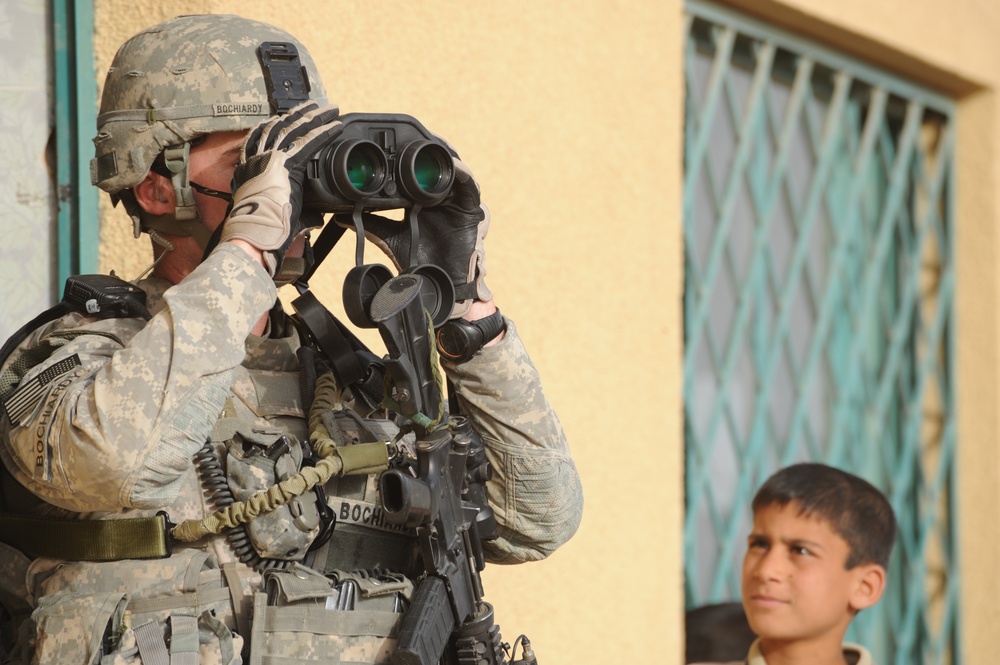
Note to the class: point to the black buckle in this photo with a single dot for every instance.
(168, 533)
(327, 519)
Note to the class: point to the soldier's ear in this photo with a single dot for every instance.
(155, 194)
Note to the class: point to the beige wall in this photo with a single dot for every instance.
(570, 115)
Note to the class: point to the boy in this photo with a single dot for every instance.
(817, 555)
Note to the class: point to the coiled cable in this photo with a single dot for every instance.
(360, 459)
(213, 480)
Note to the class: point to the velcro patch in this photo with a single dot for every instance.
(28, 395)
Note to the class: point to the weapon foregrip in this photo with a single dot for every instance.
(427, 626)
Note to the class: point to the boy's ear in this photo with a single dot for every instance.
(869, 584)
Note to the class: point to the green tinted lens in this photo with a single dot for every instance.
(427, 170)
(360, 169)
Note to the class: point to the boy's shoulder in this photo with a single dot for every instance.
(854, 654)
(857, 654)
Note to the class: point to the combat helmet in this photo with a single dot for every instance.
(168, 85)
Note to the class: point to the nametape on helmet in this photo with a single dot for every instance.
(30, 393)
(241, 108)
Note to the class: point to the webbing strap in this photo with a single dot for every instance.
(87, 540)
(199, 599)
(324, 244)
(184, 640)
(241, 601)
(319, 620)
(177, 113)
(330, 338)
(152, 649)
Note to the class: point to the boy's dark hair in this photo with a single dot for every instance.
(858, 512)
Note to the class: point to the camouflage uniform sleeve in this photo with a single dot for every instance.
(118, 430)
(535, 491)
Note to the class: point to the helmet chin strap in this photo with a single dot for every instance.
(178, 162)
(170, 225)
(185, 220)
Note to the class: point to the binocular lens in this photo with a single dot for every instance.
(361, 170)
(358, 168)
(427, 170)
(376, 172)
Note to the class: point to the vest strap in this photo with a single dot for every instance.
(88, 540)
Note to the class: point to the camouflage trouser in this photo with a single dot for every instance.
(181, 611)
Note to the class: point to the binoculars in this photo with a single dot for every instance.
(383, 161)
(380, 161)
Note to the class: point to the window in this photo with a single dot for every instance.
(818, 307)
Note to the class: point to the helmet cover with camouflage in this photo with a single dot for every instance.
(178, 80)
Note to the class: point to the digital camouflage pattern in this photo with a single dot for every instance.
(535, 492)
(122, 433)
(180, 79)
(115, 437)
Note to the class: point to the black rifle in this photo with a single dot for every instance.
(442, 497)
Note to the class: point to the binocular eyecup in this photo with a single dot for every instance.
(437, 292)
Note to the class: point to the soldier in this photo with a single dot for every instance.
(113, 430)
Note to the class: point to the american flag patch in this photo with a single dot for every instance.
(28, 395)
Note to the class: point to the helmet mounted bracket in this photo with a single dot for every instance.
(284, 75)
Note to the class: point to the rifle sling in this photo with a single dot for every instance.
(331, 339)
(87, 540)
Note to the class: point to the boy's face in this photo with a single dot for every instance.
(795, 586)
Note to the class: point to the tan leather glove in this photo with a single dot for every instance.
(268, 182)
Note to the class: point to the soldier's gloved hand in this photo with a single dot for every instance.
(451, 237)
(268, 181)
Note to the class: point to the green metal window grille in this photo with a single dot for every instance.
(818, 308)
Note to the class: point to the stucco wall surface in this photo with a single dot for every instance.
(569, 114)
